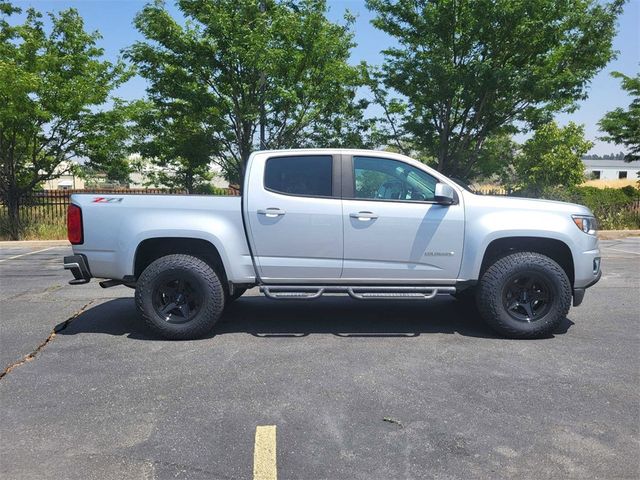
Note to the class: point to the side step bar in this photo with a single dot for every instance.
(298, 292)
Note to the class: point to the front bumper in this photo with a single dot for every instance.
(578, 293)
(79, 268)
(587, 262)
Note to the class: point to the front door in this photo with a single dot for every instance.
(393, 229)
(295, 218)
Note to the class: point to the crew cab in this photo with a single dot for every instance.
(372, 225)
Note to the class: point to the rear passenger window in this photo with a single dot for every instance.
(301, 175)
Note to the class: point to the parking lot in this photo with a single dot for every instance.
(354, 390)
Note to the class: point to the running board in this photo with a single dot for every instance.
(299, 292)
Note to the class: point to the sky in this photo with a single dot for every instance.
(114, 20)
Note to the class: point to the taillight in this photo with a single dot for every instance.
(74, 225)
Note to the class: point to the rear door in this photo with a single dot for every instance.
(294, 214)
(393, 228)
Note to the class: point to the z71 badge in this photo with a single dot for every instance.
(107, 199)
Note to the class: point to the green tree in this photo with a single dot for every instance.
(467, 70)
(177, 139)
(108, 141)
(245, 74)
(623, 126)
(552, 157)
(50, 85)
(497, 154)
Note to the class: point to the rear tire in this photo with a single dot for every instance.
(524, 295)
(180, 297)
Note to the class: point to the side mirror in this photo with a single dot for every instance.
(444, 194)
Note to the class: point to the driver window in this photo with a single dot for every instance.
(386, 179)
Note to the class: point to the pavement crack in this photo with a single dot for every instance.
(46, 291)
(57, 329)
(394, 421)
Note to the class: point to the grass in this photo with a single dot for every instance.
(36, 226)
(44, 231)
(619, 220)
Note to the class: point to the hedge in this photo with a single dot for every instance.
(615, 208)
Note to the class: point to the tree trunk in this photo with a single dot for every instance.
(13, 211)
(443, 150)
(243, 170)
(245, 151)
(188, 181)
(443, 155)
(441, 160)
(11, 191)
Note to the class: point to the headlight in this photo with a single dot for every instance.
(586, 223)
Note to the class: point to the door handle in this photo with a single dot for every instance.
(363, 216)
(271, 212)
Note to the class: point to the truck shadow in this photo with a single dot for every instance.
(338, 316)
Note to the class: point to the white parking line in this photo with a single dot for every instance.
(25, 254)
(264, 453)
(623, 251)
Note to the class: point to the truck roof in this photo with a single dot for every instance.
(327, 151)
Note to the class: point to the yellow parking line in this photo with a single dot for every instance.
(264, 453)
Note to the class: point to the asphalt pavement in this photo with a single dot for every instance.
(343, 389)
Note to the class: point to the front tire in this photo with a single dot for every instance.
(524, 295)
(180, 297)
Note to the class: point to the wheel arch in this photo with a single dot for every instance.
(151, 249)
(553, 248)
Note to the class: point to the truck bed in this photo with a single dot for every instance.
(115, 224)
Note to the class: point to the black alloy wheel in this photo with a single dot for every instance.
(177, 300)
(527, 296)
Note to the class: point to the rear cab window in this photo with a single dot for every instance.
(303, 175)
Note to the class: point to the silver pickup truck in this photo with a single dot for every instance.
(372, 225)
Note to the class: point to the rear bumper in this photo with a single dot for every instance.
(79, 268)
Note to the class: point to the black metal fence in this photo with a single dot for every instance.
(49, 207)
(492, 191)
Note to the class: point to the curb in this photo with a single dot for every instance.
(34, 243)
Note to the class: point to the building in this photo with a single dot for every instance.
(67, 180)
(141, 178)
(603, 169)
